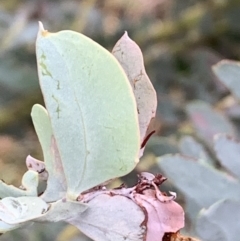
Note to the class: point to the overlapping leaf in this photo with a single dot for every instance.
(29, 186)
(201, 184)
(112, 218)
(228, 153)
(207, 121)
(228, 73)
(190, 147)
(52, 160)
(129, 55)
(220, 221)
(21, 209)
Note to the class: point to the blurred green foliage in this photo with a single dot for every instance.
(180, 41)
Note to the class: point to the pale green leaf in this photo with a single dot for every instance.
(56, 184)
(63, 210)
(21, 209)
(29, 184)
(91, 106)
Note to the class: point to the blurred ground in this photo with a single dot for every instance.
(180, 41)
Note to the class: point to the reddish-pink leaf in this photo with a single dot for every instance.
(129, 55)
(162, 217)
(37, 166)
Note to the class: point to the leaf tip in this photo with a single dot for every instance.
(216, 66)
(224, 62)
(125, 36)
(41, 31)
(136, 161)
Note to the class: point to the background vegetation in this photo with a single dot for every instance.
(180, 41)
